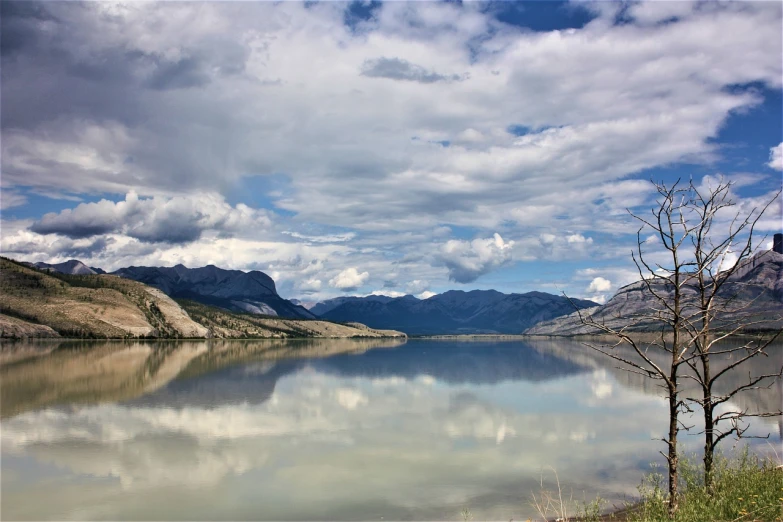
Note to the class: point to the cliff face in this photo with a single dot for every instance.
(754, 292)
(252, 292)
(453, 312)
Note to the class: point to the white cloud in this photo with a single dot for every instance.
(776, 157)
(311, 285)
(599, 284)
(468, 260)
(388, 293)
(159, 219)
(727, 260)
(417, 286)
(349, 279)
(579, 238)
(558, 246)
(426, 294)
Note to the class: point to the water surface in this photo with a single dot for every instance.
(327, 430)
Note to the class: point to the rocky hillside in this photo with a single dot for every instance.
(37, 303)
(755, 290)
(253, 292)
(453, 312)
(87, 306)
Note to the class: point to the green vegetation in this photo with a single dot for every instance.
(745, 488)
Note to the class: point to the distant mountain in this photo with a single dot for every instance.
(73, 267)
(756, 289)
(452, 312)
(325, 306)
(252, 292)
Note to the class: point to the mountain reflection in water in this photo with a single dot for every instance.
(324, 429)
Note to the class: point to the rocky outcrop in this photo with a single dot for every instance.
(174, 315)
(251, 292)
(14, 328)
(453, 312)
(754, 292)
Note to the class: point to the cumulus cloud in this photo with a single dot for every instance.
(417, 286)
(158, 219)
(310, 286)
(468, 260)
(349, 279)
(579, 238)
(597, 290)
(599, 284)
(776, 157)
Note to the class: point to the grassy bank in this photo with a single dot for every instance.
(746, 488)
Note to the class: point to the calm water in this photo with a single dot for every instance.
(325, 429)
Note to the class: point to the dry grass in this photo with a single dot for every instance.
(84, 306)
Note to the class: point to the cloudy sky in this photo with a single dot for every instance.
(351, 148)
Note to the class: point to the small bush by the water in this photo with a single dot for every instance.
(745, 488)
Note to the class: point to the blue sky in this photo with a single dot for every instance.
(351, 148)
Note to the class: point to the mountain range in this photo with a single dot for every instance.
(253, 292)
(452, 312)
(755, 291)
(756, 287)
(44, 302)
(234, 290)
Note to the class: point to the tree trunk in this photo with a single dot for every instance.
(672, 456)
(709, 423)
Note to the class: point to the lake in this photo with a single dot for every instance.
(328, 429)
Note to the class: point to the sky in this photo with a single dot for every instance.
(367, 147)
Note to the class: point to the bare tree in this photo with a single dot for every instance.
(693, 305)
(718, 311)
